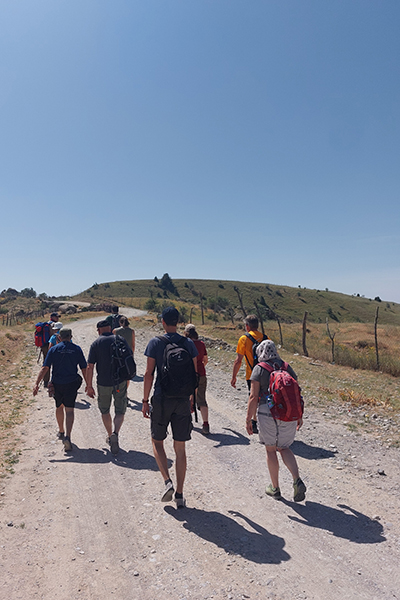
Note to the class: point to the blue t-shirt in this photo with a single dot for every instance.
(54, 339)
(65, 358)
(100, 355)
(155, 349)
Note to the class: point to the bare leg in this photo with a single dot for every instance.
(118, 420)
(290, 461)
(204, 413)
(161, 458)
(60, 418)
(107, 423)
(273, 465)
(180, 465)
(69, 420)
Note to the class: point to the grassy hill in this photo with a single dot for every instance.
(288, 303)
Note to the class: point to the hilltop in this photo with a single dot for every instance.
(219, 296)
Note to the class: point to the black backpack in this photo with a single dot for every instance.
(178, 375)
(254, 349)
(123, 366)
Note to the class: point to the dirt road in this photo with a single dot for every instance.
(90, 526)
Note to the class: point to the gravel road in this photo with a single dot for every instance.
(91, 526)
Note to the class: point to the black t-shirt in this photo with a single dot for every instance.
(100, 355)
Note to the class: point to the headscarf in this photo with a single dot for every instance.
(266, 351)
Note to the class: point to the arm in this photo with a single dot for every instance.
(40, 376)
(89, 380)
(84, 373)
(147, 383)
(236, 366)
(252, 405)
(205, 359)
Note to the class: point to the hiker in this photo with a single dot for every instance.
(64, 359)
(55, 338)
(100, 354)
(171, 400)
(45, 348)
(275, 434)
(113, 319)
(202, 360)
(128, 334)
(251, 338)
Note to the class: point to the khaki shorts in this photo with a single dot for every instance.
(105, 394)
(201, 392)
(275, 433)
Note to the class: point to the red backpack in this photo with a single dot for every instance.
(42, 334)
(285, 401)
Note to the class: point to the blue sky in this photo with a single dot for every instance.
(221, 139)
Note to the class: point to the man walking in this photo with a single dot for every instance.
(64, 359)
(45, 348)
(245, 349)
(171, 400)
(100, 354)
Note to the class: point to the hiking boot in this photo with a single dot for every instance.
(168, 492)
(180, 502)
(113, 441)
(299, 490)
(206, 429)
(273, 492)
(67, 444)
(60, 435)
(254, 426)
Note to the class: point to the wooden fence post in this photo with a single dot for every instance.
(259, 316)
(332, 338)
(280, 331)
(305, 334)
(202, 309)
(376, 338)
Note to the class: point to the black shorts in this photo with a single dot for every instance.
(174, 411)
(65, 393)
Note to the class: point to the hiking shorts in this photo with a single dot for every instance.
(275, 433)
(170, 410)
(65, 393)
(201, 392)
(105, 395)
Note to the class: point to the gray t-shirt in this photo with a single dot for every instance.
(262, 375)
(126, 333)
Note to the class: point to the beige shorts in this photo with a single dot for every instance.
(275, 433)
(201, 392)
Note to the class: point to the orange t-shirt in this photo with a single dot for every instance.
(245, 347)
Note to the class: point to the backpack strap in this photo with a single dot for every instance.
(250, 337)
(266, 366)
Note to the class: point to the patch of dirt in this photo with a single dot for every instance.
(89, 526)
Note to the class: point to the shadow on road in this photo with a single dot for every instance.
(256, 545)
(311, 452)
(224, 439)
(347, 523)
(132, 459)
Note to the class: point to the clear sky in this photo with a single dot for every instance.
(251, 140)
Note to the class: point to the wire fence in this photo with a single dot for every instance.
(358, 345)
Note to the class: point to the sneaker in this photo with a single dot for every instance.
(254, 426)
(168, 492)
(273, 492)
(180, 502)
(60, 435)
(206, 429)
(113, 441)
(67, 444)
(299, 490)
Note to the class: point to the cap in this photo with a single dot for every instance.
(57, 325)
(103, 323)
(189, 327)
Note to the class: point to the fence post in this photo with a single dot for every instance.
(376, 338)
(259, 317)
(280, 331)
(332, 338)
(202, 309)
(305, 334)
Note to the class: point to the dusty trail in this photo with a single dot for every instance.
(89, 526)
